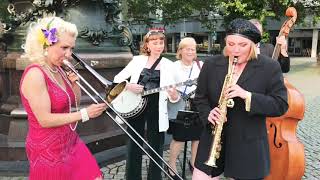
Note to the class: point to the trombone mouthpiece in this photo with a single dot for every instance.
(66, 62)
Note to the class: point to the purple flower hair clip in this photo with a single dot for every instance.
(50, 35)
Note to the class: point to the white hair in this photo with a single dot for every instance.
(34, 48)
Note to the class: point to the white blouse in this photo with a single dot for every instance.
(182, 73)
(134, 69)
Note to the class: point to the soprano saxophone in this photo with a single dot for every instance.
(224, 103)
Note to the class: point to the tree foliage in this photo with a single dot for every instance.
(174, 10)
(207, 11)
(140, 10)
(3, 10)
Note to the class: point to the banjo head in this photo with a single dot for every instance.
(127, 102)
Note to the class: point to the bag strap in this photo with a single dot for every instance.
(155, 63)
(184, 92)
(198, 64)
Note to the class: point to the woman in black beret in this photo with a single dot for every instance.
(258, 91)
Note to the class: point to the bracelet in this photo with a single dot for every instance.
(84, 115)
(248, 101)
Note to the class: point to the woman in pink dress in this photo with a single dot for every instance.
(53, 147)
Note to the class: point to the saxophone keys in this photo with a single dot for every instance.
(217, 156)
(230, 103)
(219, 148)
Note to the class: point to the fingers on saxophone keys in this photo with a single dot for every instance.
(214, 120)
(214, 116)
(228, 91)
(211, 120)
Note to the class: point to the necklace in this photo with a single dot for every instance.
(236, 73)
(186, 67)
(65, 91)
(52, 70)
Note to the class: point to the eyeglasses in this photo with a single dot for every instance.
(189, 49)
(154, 32)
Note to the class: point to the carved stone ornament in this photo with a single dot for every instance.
(97, 20)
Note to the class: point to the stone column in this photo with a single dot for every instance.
(209, 42)
(315, 34)
(173, 42)
(182, 34)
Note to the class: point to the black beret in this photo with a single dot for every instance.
(245, 29)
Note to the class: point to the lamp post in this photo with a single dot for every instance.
(212, 35)
(183, 33)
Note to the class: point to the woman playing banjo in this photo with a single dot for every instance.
(148, 71)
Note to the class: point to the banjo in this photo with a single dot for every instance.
(129, 104)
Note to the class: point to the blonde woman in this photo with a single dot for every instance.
(53, 147)
(258, 91)
(187, 67)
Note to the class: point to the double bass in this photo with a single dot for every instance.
(286, 152)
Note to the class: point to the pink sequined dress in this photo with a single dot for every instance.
(57, 153)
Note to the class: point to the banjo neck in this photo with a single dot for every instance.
(188, 82)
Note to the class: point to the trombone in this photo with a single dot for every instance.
(106, 82)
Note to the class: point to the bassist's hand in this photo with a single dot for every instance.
(283, 45)
(136, 88)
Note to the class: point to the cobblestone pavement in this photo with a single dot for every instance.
(305, 75)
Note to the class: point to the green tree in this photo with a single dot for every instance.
(259, 9)
(207, 11)
(140, 10)
(175, 10)
(4, 14)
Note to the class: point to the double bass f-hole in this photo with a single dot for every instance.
(277, 145)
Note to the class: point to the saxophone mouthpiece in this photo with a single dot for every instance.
(235, 59)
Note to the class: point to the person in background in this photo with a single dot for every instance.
(267, 48)
(258, 91)
(53, 147)
(148, 71)
(187, 67)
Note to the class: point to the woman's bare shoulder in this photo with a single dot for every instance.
(34, 78)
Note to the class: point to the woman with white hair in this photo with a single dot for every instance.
(187, 67)
(53, 147)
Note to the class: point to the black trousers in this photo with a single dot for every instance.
(154, 138)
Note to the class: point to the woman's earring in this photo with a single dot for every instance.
(45, 53)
